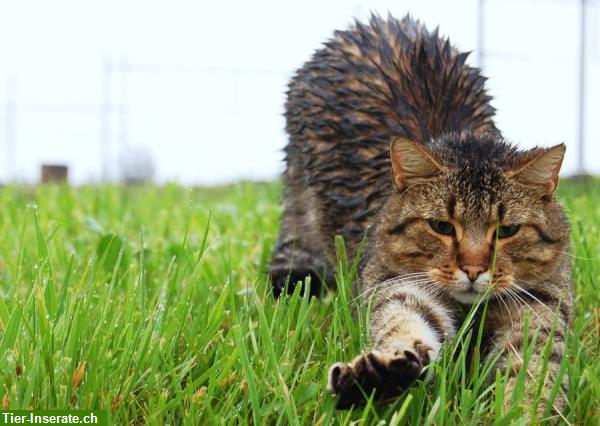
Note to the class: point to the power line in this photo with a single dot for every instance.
(183, 69)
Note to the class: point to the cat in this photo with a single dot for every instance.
(392, 140)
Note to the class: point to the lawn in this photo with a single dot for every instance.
(152, 303)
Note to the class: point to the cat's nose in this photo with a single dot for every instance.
(472, 271)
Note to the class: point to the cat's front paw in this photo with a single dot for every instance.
(388, 374)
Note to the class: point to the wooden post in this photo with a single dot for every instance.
(54, 173)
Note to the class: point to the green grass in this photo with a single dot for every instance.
(152, 303)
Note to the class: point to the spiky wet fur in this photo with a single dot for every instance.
(368, 84)
(391, 79)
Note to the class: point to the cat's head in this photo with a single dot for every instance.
(474, 214)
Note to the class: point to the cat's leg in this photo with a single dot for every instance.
(292, 263)
(408, 327)
(508, 338)
(299, 252)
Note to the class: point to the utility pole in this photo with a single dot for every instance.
(581, 117)
(105, 112)
(10, 117)
(480, 32)
(123, 107)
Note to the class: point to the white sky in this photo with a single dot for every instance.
(217, 115)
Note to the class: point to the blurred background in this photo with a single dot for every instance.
(193, 91)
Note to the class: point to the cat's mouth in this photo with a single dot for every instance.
(468, 296)
(468, 292)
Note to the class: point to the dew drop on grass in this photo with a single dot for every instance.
(247, 291)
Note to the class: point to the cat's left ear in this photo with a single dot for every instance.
(541, 170)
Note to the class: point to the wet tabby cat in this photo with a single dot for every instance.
(435, 206)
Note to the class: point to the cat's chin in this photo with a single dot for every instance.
(467, 297)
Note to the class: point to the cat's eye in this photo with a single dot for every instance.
(442, 227)
(506, 231)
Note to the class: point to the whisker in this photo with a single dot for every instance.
(405, 277)
(414, 278)
(438, 287)
(520, 303)
(401, 278)
(530, 308)
(420, 284)
(515, 302)
(577, 257)
(427, 286)
(532, 296)
(501, 299)
(392, 283)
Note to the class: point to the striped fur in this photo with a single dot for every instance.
(392, 140)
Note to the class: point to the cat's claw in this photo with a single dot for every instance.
(386, 374)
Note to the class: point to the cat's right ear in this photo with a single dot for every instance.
(412, 163)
